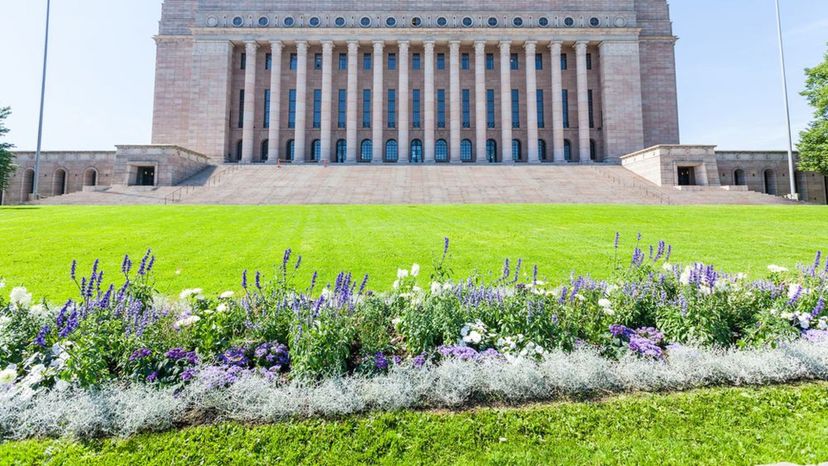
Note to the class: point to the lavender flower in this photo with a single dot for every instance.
(152, 377)
(258, 280)
(617, 239)
(820, 306)
(180, 354)
(142, 269)
(235, 357)
(188, 374)
(645, 347)
(620, 331)
(40, 339)
(380, 362)
(73, 269)
(244, 280)
(140, 354)
(419, 361)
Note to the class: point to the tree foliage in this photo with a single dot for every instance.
(813, 145)
(7, 166)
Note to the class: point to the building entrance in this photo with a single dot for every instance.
(686, 176)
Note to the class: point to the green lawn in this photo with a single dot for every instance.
(712, 426)
(209, 246)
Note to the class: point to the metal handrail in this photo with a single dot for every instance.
(662, 198)
(177, 195)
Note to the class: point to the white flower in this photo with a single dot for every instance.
(611, 289)
(609, 311)
(580, 297)
(667, 266)
(776, 269)
(605, 303)
(473, 337)
(684, 279)
(804, 321)
(187, 321)
(396, 284)
(221, 307)
(8, 375)
(416, 289)
(415, 270)
(436, 288)
(823, 324)
(190, 292)
(2, 283)
(741, 276)
(20, 297)
(227, 295)
(39, 312)
(4, 322)
(402, 273)
(794, 290)
(787, 315)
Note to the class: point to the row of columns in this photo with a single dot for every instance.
(530, 49)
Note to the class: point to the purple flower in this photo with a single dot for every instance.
(126, 265)
(188, 375)
(298, 263)
(258, 280)
(445, 246)
(650, 333)
(620, 331)
(40, 339)
(180, 354)
(286, 259)
(617, 239)
(152, 377)
(73, 269)
(140, 354)
(142, 269)
(380, 361)
(419, 360)
(244, 280)
(645, 347)
(235, 357)
(816, 336)
(820, 306)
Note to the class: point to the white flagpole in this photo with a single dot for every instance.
(791, 171)
(35, 191)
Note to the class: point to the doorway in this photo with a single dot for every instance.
(146, 176)
(686, 176)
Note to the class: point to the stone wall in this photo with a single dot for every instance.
(172, 164)
(660, 164)
(60, 173)
(767, 172)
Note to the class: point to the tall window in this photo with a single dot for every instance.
(466, 108)
(392, 61)
(591, 109)
(441, 151)
(341, 151)
(416, 155)
(267, 108)
(268, 61)
(589, 61)
(243, 61)
(392, 108)
(317, 108)
(466, 150)
(293, 61)
(489, 61)
(491, 151)
(292, 108)
(317, 61)
(567, 150)
(441, 61)
(366, 61)
(541, 150)
(541, 119)
(415, 100)
(464, 61)
(564, 64)
(342, 108)
(565, 108)
(241, 108)
(514, 61)
(490, 108)
(516, 150)
(593, 151)
(289, 151)
(264, 149)
(316, 150)
(441, 108)
(515, 108)
(343, 61)
(366, 151)
(538, 61)
(416, 62)
(391, 154)
(366, 108)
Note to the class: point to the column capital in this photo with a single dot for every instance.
(327, 45)
(403, 44)
(301, 46)
(454, 44)
(530, 46)
(378, 45)
(505, 45)
(428, 45)
(581, 45)
(276, 45)
(555, 45)
(251, 45)
(353, 45)
(480, 45)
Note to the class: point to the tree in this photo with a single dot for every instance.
(7, 166)
(813, 145)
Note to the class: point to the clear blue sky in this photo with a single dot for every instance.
(100, 86)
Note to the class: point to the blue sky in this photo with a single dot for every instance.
(99, 91)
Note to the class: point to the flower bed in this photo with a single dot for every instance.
(121, 359)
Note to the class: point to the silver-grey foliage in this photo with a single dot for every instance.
(127, 410)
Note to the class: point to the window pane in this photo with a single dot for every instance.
(392, 108)
(343, 61)
(541, 120)
(366, 61)
(366, 108)
(490, 108)
(539, 61)
(564, 64)
(241, 108)
(441, 61)
(267, 108)
(464, 61)
(293, 61)
(342, 108)
(268, 61)
(392, 61)
(415, 120)
(514, 61)
(441, 108)
(489, 61)
(292, 108)
(415, 61)
(466, 108)
(565, 108)
(515, 108)
(317, 108)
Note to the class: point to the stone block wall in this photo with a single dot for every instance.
(60, 173)
(172, 164)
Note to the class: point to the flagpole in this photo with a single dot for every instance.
(35, 191)
(787, 104)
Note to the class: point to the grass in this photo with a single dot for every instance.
(209, 246)
(710, 426)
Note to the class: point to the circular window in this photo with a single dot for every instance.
(517, 22)
(212, 21)
(569, 22)
(468, 22)
(289, 21)
(416, 21)
(594, 22)
(264, 21)
(543, 22)
(238, 21)
(391, 21)
(492, 21)
(442, 21)
(365, 21)
(620, 22)
(314, 22)
(340, 21)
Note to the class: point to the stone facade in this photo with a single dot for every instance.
(232, 76)
(61, 173)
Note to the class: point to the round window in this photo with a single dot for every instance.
(416, 21)
(314, 22)
(390, 21)
(543, 22)
(442, 21)
(238, 21)
(569, 22)
(492, 21)
(517, 22)
(264, 21)
(594, 22)
(212, 21)
(340, 21)
(289, 21)
(365, 21)
(468, 22)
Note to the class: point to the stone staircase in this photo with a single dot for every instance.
(406, 184)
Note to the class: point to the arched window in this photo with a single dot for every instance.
(90, 177)
(541, 150)
(770, 182)
(491, 151)
(739, 177)
(441, 151)
(391, 151)
(366, 150)
(341, 151)
(289, 151)
(28, 183)
(264, 153)
(567, 150)
(59, 182)
(593, 152)
(316, 150)
(466, 150)
(516, 150)
(239, 148)
(416, 155)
